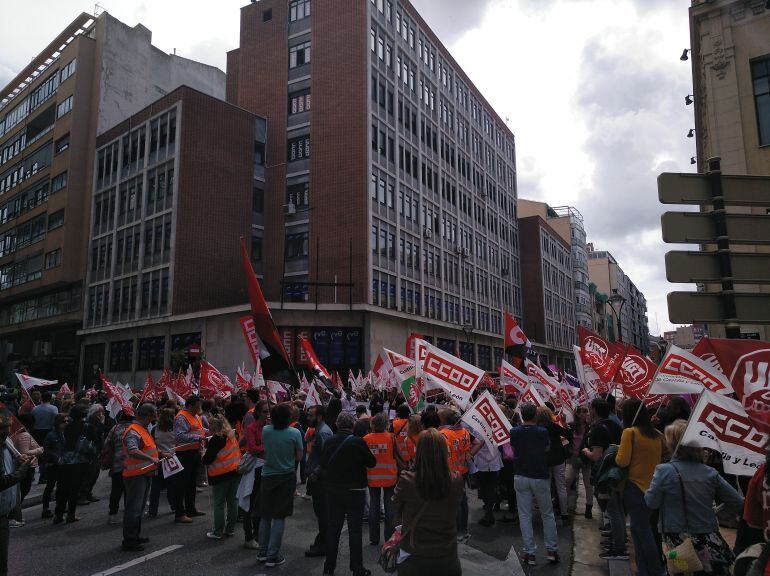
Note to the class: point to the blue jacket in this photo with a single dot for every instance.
(702, 484)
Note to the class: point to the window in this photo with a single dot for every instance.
(299, 148)
(67, 71)
(760, 74)
(299, 55)
(267, 15)
(64, 107)
(296, 246)
(121, 356)
(56, 220)
(298, 9)
(299, 102)
(62, 144)
(298, 194)
(151, 353)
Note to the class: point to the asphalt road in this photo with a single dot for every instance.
(91, 547)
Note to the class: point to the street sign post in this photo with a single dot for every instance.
(713, 225)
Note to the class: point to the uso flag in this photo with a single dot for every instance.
(488, 420)
(721, 423)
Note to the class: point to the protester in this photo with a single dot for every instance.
(113, 458)
(53, 447)
(221, 460)
(163, 434)
(254, 447)
(641, 450)
(345, 459)
(557, 438)
(578, 466)
(188, 435)
(13, 471)
(44, 415)
(488, 463)
(26, 446)
(142, 459)
(283, 449)
(382, 477)
(95, 418)
(530, 446)
(684, 490)
(320, 435)
(78, 454)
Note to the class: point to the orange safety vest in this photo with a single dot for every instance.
(309, 440)
(196, 427)
(402, 439)
(411, 446)
(459, 445)
(227, 459)
(385, 472)
(137, 466)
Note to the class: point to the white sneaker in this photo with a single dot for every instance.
(251, 545)
(112, 519)
(15, 524)
(213, 536)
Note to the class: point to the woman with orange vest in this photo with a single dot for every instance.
(382, 478)
(221, 460)
(142, 459)
(189, 434)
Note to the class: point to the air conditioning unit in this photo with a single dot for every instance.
(427, 233)
(459, 249)
(466, 253)
(505, 271)
(289, 209)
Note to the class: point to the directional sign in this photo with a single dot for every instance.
(700, 228)
(687, 307)
(695, 189)
(685, 267)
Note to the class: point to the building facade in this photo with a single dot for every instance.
(730, 41)
(609, 278)
(391, 182)
(686, 337)
(176, 187)
(92, 75)
(549, 303)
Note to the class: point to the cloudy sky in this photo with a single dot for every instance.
(593, 90)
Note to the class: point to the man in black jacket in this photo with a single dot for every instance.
(344, 460)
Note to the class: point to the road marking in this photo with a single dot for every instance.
(140, 560)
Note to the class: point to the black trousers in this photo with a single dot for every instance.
(116, 492)
(4, 533)
(185, 483)
(70, 478)
(251, 518)
(52, 473)
(421, 566)
(89, 480)
(319, 508)
(344, 504)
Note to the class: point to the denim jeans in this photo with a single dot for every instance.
(224, 497)
(558, 474)
(617, 519)
(341, 504)
(374, 513)
(137, 489)
(462, 514)
(270, 536)
(527, 490)
(645, 549)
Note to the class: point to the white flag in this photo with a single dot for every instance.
(171, 466)
(541, 379)
(174, 396)
(313, 399)
(532, 396)
(488, 421)
(458, 378)
(681, 372)
(721, 423)
(28, 382)
(513, 380)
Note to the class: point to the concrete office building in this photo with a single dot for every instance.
(686, 337)
(549, 303)
(386, 169)
(95, 73)
(730, 41)
(609, 277)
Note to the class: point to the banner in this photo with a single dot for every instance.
(538, 376)
(721, 423)
(458, 378)
(410, 343)
(273, 354)
(604, 357)
(250, 335)
(512, 380)
(312, 360)
(148, 394)
(242, 379)
(29, 382)
(171, 466)
(681, 372)
(405, 372)
(747, 366)
(487, 419)
(117, 400)
(313, 398)
(213, 383)
(531, 396)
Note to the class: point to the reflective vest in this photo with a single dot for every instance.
(402, 439)
(411, 446)
(196, 427)
(227, 459)
(459, 444)
(137, 466)
(385, 472)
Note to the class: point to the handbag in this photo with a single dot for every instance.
(389, 553)
(685, 557)
(247, 463)
(316, 476)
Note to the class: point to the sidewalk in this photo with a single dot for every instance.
(586, 561)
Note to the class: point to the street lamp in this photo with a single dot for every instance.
(468, 330)
(618, 300)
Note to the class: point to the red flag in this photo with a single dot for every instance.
(148, 394)
(604, 357)
(747, 364)
(163, 381)
(635, 375)
(250, 335)
(274, 357)
(213, 383)
(515, 341)
(317, 368)
(116, 396)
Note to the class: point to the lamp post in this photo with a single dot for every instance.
(619, 300)
(468, 330)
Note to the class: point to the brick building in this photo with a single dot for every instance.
(94, 74)
(386, 169)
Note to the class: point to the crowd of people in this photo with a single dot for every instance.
(368, 459)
